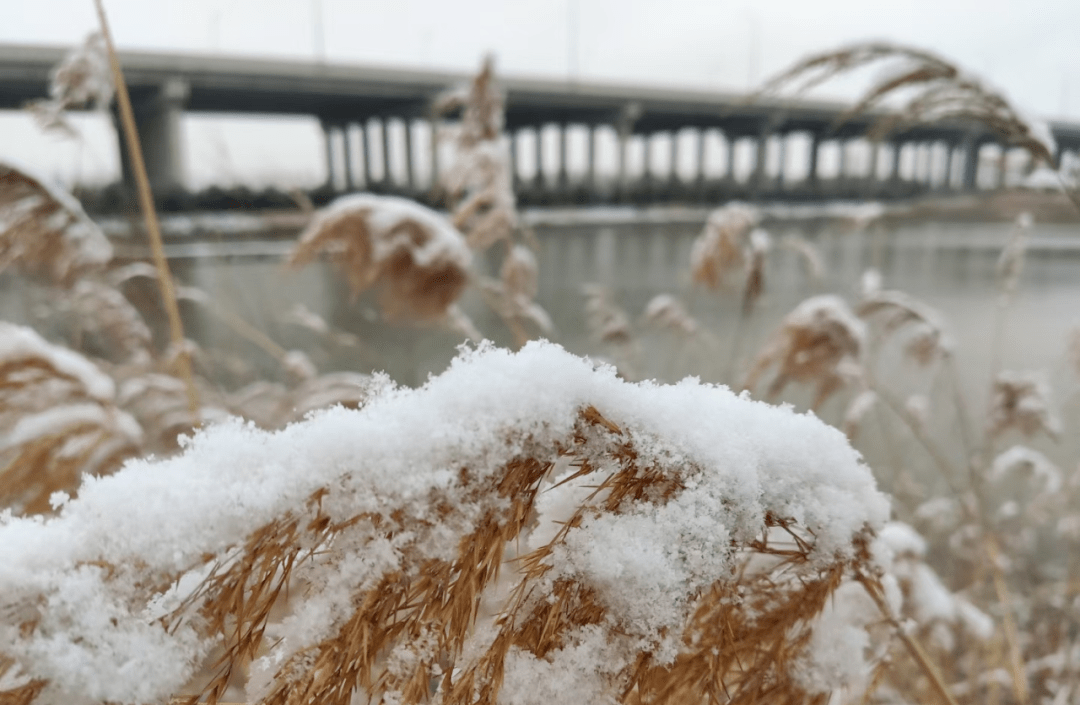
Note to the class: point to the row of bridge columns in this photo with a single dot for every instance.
(382, 154)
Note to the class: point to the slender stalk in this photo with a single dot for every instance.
(1016, 661)
(146, 203)
(914, 648)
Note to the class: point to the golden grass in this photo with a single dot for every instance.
(412, 630)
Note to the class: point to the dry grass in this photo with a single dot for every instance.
(381, 241)
(45, 231)
(411, 636)
(935, 90)
(821, 342)
(82, 78)
(720, 247)
(479, 185)
(60, 420)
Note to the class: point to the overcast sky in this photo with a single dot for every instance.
(1030, 49)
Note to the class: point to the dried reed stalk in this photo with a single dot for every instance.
(419, 258)
(60, 420)
(938, 90)
(44, 231)
(419, 593)
(719, 247)
(479, 184)
(146, 203)
(820, 341)
(82, 78)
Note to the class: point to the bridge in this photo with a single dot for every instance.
(374, 119)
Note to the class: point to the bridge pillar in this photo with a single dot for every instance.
(646, 166)
(971, 163)
(157, 119)
(760, 155)
(384, 124)
(347, 157)
(782, 168)
(947, 183)
(699, 177)
(433, 126)
(872, 172)
(841, 173)
(590, 155)
(515, 178)
(410, 176)
(365, 136)
(539, 178)
(328, 152)
(564, 175)
(812, 167)
(894, 164)
(729, 167)
(673, 172)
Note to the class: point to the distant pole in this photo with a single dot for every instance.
(318, 38)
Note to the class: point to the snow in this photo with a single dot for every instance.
(444, 242)
(20, 345)
(156, 520)
(1020, 460)
(90, 246)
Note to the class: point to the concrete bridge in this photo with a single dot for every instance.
(373, 118)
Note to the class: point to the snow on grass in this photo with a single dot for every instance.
(94, 580)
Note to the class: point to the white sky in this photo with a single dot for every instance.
(1030, 49)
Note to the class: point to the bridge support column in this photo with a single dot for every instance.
(433, 126)
(971, 163)
(365, 137)
(699, 165)
(384, 131)
(157, 118)
(673, 172)
(328, 153)
(894, 165)
(347, 157)
(646, 164)
(564, 175)
(871, 176)
(515, 174)
(590, 155)
(729, 167)
(781, 175)
(841, 173)
(410, 176)
(949, 149)
(812, 167)
(760, 155)
(539, 178)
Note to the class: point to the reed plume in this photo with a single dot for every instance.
(526, 528)
(820, 342)
(936, 91)
(81, 79)
(419, 260)
(44, 231)
(60, 420)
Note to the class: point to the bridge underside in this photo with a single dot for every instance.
(569, 143)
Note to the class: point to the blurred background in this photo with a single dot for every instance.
(1027, 49)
